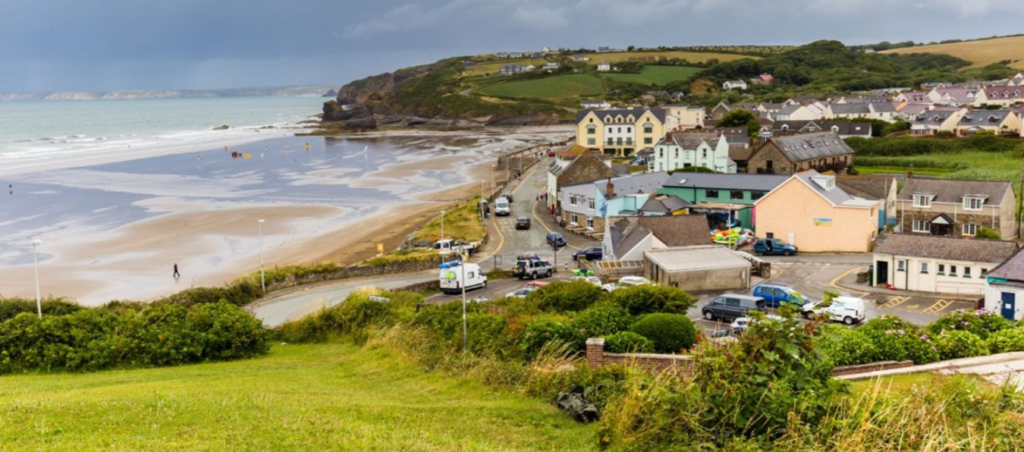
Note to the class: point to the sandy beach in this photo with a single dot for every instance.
(114, 230)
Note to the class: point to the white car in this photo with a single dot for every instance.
(626, 281)
(744, 322)
(849, 310)
(591, 279)
(521, 293)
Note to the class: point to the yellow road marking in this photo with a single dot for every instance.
(938, 306)
(541, 223)
(894, 301)
(835, 282)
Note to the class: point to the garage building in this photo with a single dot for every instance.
(698, 268)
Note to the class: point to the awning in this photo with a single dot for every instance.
(942, 219)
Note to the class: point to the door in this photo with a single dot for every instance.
(1008, 305)
(940, 229)
(881, 273)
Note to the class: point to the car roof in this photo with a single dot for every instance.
(521, 218)
(742, 297)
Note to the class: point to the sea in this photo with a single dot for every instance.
(32, 132)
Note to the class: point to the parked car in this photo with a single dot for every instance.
(590, 279)
(523, 223)
(532, 268)
(776, 295)
(732, 306)
(626, 281)
(594, 253)
(449, 246)
(849, 310)
(502, 208)
(453, 277)
(555, 239)
(521, 293)
(773, 246)
(551, 153)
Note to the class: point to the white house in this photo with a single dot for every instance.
(680, 150)
(734, 84)
(604, 67)
(1004, 288)
(948, 265)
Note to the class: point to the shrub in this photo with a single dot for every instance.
(351, 316)
(628, 342)
(10, 307)
(1011, 340)
(959, 344)
(896, 340)
(544, 330)
(987, 233)
(647, 299)
(981, 323)
(602, 320)
(566, 296)
(670, 333)
(845, 346)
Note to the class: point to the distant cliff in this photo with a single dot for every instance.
(310, 91)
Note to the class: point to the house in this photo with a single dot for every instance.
(875, 188)
(739, 145)
(734, 84)
(661, 205)
(719, 111)
(550, 66)
(795, 113)
(626, 238)
(681, 150)
(844, 129)
(913, 97)
(726, 199)
(822, 151)
(945, 265)
(811, 212)
(955, 208)
(587, 204)
(620, 131)
(869, 110)
(954, 97)
(908, 112)
(545, 50)
(580, 57)
(698, 268)
(687, 116)
(502, 54)
(595, 104)
(1004, 286)
(512, 69)
(999, 122)
(940, 119)
(604, 66)
(1002, 95)
(587, 167)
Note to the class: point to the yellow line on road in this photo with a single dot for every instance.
(895, 301)
(835, 282)
(938, 306)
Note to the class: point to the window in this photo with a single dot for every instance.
(755, 195)
(921, 226)
(590, 222)
(901, 266)
(629, 130)
(591, 141)
(732, 302)
(972, 203)
(590, 204)
(572, 200)
(591, 129)
(924, 268)
(736, 195)
(922, 201)
(648, 140)
(967, 272)
(942, 269)
(952, 270)
(648, 128)
(984, 272)
(710, 193)
(574, 218)
(620, 129)
(970, 229)
(704, 154)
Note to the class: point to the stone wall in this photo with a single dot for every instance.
(355, 271)
(907, 218)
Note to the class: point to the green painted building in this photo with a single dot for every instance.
(724, 198)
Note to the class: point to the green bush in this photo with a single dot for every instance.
(602, 320)
(648, 299)
(981, 323)
(566, 296)
(959, 344)
(10, 307)
(351, 316)
(845, 346)
(239, 293)
(670, 333)
(1003, 341)
(896, 340)
(628, 342)
(543, 331)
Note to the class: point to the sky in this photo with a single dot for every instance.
(104, 45)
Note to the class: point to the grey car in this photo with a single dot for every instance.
(730, 307)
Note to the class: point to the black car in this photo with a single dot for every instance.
(730, 307)
(591, 254)
(555, 239)
(522, 223)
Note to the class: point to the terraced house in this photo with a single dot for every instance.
(999, 122)
(680, 150)
(822, 151)
(620, 131)
(955, 208)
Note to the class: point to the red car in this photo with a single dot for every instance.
(551, 153)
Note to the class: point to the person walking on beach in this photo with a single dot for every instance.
(176, 274)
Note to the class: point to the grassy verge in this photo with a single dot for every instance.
(899, 384)
(300, 397)
(461, 223)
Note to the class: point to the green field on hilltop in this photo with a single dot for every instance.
(558, 87)
(971, 165)
(299, 397)
(657, 75)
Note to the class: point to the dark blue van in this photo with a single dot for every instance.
(776, 296)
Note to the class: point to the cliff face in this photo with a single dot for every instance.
(359, 90)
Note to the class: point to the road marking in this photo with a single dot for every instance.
(541, 223)
(894, 301)
(835, 282)
(808, 278)
(938, 306)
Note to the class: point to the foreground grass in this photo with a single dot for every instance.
(461, 223)
(558, 87)
(656, 75)
(899, 384)
(300, 397)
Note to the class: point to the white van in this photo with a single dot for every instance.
(848, 310)
(452, 277)
(502, 208)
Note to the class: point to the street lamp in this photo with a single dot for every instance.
(465, 330)
(35, 263)
(442, 225)
(263, 280)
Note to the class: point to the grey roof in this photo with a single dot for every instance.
(632, 185)
(844, 128)
(691, 140)
(809, 146)
(790, 109)
(858, 108)
(620, 169)
(916, 96)
(636, 112)
(677, 230)
(883, 107)
(937, 115)
(836, 195)
(734, 135)
(984, 118)
(953, 191)
(740, 181)
(666, 204)
(1011, 269)
(945, 248)
(740, 152)
(867, 187)
(696, 258)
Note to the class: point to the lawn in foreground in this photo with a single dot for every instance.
(300, 397)
(657, 75)
(558, 87)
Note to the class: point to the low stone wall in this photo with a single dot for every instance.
(870, 367)
(434, 284)
(355, 271)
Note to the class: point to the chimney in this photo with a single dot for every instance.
(610, 191)
(910, 171)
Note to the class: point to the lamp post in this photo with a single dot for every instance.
(263, 280)
(442, 225)
(35, 264)
(465, 330)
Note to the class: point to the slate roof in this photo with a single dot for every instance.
(914, 109)
(740, 181)
(666, 204)
(636, 112)
(883, 107)
(843, 127)
(809, 146)
(836, 195)
(867, 187)
(691, 140)
(586, 168)
(620, 169)
(916, 97)
(936, 116)
(953, 191)
(858, 108)
(945, 248)
(990, 118)
(740, 152)
(678, 230)
(1011, 269)
(632, 185)
(1003, 92)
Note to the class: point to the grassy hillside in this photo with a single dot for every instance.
(982, 52)
(494, 67)
(300, 397)
(695, 57)
(657, 75)
(558, 87)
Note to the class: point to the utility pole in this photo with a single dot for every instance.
(465, 329)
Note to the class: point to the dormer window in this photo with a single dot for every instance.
(924, 201)
(835, 129)
(826, 182)
(973, 203)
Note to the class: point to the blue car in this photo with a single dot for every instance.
(776, 296)
(773, 247)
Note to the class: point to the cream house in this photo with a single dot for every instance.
(871, 110)
(620, 131)
(687, 116)
(936, 264)
(1003, 95)
(999, 122)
